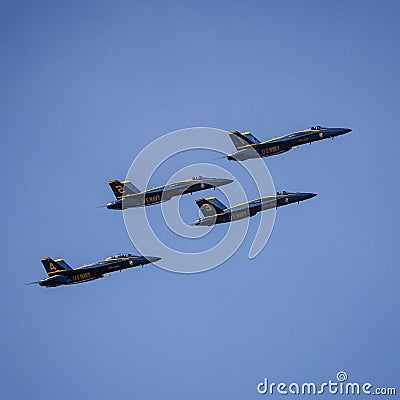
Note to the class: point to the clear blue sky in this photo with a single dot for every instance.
(85, 85)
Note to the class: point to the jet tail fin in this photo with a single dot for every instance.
(210, 206)
(124, 188)
(242, 139)
(51, 266)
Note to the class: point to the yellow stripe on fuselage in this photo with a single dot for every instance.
(241, 204)
(276, 138)
(155, 187)
(248, 202)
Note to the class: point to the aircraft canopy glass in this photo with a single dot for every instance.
(122, 255)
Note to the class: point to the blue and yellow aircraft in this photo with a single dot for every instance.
(248, 146)
(129, 196)
(60, 273)
(217, 213)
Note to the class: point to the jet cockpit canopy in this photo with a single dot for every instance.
(318, 127)
(121, 255)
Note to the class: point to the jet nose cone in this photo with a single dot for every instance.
(151, 259)
(307, 196)
(346, 130)
(222, 182)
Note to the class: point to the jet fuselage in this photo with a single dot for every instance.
(285, 143)
(251, 208)
(166, 192)
(93, 271)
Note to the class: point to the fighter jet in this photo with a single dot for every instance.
(248, 146)
(217, 213)
(129, 196)
(60, 273)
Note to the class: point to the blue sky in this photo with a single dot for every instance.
(86, 85)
